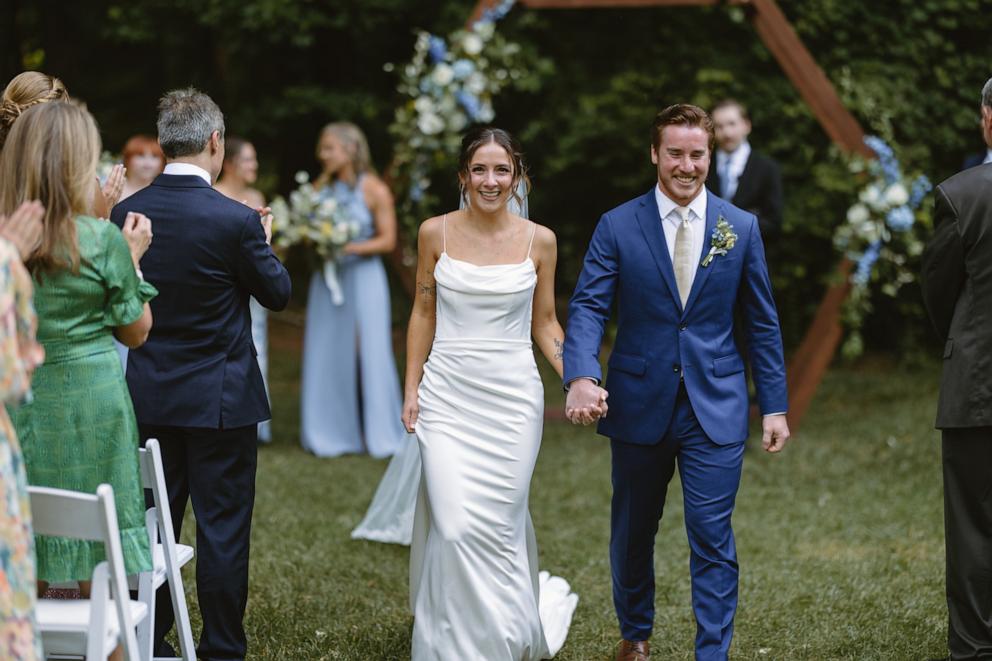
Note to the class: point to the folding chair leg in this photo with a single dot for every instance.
(146, 629)
(181, 612)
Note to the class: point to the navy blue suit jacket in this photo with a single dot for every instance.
(658, 342)
(207, 257)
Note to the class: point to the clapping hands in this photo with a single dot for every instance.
(586, 402)
(266, 214)
(24, 228)
(138, 233)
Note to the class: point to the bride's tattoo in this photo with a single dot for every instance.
(559, 348)
(428, 291)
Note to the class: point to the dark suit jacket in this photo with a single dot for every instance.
(957, 291)
(208, 255)
(972, 160)
(759, 190)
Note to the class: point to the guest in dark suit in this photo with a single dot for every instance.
(196, 385)
(743, 176)
(981, 158)
(957, 290)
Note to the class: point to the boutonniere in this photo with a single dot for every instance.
(721, 242)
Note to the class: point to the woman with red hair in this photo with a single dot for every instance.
(143, 161)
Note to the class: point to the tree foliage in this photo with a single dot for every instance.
(910, 70)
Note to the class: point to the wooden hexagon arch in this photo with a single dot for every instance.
(809, 363)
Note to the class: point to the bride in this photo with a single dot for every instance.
(485, 286)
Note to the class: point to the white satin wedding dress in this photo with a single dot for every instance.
(475, 589)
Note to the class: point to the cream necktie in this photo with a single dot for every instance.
(684, 263)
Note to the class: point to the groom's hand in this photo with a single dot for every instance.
(775, 432)
(586, 402)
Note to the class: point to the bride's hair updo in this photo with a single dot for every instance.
(485, 135)
(23, 91)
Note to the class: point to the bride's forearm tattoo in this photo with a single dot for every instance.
(559, 348)
(427, 290)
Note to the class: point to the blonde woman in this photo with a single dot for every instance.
(79, 431)
(335, 418)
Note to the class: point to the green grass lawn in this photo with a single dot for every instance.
(840, 538)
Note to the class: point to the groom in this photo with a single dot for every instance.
(676, 261)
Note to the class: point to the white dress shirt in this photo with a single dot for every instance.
(187, 168)
(988, 157)
(735, 162)
(670, 221)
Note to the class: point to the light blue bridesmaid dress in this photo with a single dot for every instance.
(350, 400)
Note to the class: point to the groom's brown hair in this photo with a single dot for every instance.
(682, 114)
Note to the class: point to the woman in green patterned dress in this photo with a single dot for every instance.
(79, 431)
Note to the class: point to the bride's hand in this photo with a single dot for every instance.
(411, 409)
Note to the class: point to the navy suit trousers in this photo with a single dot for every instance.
(215, 468)
(710, 475)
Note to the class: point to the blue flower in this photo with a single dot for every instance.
(470, 103)
(919, 190)
(462, 69)
(886, 158)
(416, 192)
(900, 219)
(862, 272)
(437, 49)
(498, 12)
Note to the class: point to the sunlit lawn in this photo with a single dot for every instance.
(840, 539)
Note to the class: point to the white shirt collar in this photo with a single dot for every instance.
(988, 156)
(187, 168)
(738, 157)
(667, 205)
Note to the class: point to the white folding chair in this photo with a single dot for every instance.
(168, 557)
(93, 626)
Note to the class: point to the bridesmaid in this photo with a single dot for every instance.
(336, 418)
(79, 431)
(239, 174)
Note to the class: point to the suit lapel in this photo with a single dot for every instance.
(745, 178)
(714, 206)
(649, 219)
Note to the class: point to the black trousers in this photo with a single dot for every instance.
(215, 468)
(967, 461)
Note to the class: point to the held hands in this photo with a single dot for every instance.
(774, 432)
(586, 402)
(24, 228)
(411, 410)
(138, 233)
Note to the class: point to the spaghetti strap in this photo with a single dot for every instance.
(444, 233)
(533, 233)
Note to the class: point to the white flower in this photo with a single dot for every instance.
(486, 112)
(872, 196)
(457, 121)
(424, 105)
(443, 75)
(476, 83)
(857, 214)
(484, 29)
(301, 177)
(472, 43)
(328, 207)
(430, 124)
(896, 195)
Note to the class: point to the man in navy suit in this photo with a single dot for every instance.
(195, 383)
(676, 261)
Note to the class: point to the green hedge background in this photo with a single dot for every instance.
(910, 70)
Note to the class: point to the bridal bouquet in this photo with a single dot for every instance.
(317, 222)
(883, 234)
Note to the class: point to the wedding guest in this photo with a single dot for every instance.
(196, 385)
(743, 176)
(238, 175)
(33, 87)
(19, 355)
(956, 283)
(143, 161)
(983, 157)
(79, 430)
(349, 403)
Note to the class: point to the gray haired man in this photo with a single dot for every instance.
(195, 383)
